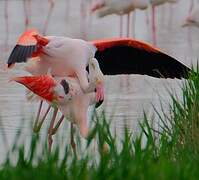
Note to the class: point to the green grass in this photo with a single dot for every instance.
(172, 152)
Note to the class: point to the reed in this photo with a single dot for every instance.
(172, 152)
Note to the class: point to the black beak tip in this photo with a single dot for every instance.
(65, 85)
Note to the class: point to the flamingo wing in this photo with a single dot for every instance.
(129, 56)
(28, 45)
(40, 85)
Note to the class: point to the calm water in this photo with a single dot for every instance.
(126, 96)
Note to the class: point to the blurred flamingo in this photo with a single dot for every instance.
(107, 7)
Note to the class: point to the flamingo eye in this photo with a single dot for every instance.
(65, 85)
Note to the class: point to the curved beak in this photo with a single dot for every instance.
(42, 86)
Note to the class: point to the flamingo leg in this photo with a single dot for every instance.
(67, 9)
(170, 16)
(191, 6)
(27, 4)
(50, 130)
(128, 25)
(121, 25)
(153, 26)
(37, 124)
(147, 17)
(6, 24)
(72, 142)
(37, 117)
(133, 23)
(48, 16)
(83, 21)
(54, 130)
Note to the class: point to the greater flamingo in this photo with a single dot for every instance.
(66, 94)
(125, 7)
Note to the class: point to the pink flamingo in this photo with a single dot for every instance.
(67, 95)
(107, 7)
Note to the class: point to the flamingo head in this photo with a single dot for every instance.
(46, 87)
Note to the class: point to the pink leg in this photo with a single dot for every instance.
(191, 6)
(72, 142)
(54, 130)
(38, 114)
(48, 16)
(37, 125)
(50, 130)
(6, 24)
(170, 16)
(121, 25)
(26, 4)
(90, 18)
(67, 9)
(153, 26)
(133, 23)
(147, 17)
(83, 16)
(128, 25)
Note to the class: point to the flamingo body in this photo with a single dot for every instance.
(193, 18)
(107, 7)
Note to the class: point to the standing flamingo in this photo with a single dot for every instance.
(107, 7)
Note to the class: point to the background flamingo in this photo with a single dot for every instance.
(107, 7)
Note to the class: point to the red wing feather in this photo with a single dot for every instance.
(27, 38)
(108, 43)
(41, 85)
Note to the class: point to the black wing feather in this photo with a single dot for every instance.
(20, 54)
(130, 60)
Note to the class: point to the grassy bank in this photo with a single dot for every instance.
(172, 152)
